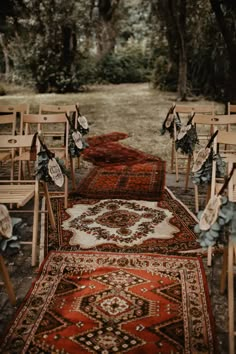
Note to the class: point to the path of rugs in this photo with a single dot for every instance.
(122, 207)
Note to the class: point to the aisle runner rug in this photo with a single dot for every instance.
(121, 226)
(105, 138)
(115, 153)
(115, 303)
(145, 181)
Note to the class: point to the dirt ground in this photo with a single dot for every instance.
(138, 110)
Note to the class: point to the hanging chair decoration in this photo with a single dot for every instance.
(5, 222)
(187, 138)
(169, 122)
(218, 213)
(202, 167)
(82, 122)
(50, 168)
(76, 143)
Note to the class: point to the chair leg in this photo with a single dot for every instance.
(66, 193)
(7, 281)
(231, 296)
(187, 172)
(196, 196)
(35, 229)
(223, 276)
(49, 206)
(72, 168)
(209, 256)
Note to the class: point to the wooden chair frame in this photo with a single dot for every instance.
(19, 192)
(187, 110)
(210, 123)
(7, 281)
(37, 122)
(69, 110)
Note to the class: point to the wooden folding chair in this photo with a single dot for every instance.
(19, 192)
(229, 257)
(72, 112)
(183, 111)
(46, 123)
(205, 126)
(18, 110)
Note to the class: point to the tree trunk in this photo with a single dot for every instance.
(106, 27)
(178, 12)
(5, 56)
(225, 20)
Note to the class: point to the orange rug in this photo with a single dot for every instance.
(91, 302)
(115, 153)
(145, 181)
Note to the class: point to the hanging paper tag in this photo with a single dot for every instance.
(169, 120)
(83, 122)
(77, 137)
(210, 213)
(183, 131)
(201, 157)
(5, 222)
(55, 172)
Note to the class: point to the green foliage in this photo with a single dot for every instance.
(2, 90)
(129, 65)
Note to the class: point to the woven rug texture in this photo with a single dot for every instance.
(144, 181)
(122, 226)
(115, 153)
(114, 303)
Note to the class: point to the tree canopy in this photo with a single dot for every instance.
(59, 46)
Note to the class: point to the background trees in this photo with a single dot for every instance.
(179, 45)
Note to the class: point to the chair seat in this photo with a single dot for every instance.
(16, 194)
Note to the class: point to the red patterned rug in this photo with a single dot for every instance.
(115, 153)
(106, 138)
(121, 226)
(145, 181)
(115, 303)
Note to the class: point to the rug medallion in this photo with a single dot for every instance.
(121, 226)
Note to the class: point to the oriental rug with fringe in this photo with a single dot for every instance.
(91, 302)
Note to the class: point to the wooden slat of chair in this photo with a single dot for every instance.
(20, 192)
(7, 281)
(38, 122)
(183, 111)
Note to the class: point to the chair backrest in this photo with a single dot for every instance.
(70, 109)
(47, 124)
(224, 138)
(7, 122)
(18, 110)
(17, 142)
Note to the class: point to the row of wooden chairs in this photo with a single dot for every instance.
(207, 122)
(52, 122)
(18, 127)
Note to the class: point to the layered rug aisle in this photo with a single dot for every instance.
(91, 302)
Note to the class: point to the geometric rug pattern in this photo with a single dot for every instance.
(143, 181)
(122, 226)
(94, 302)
